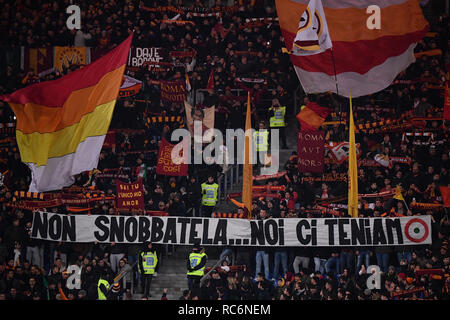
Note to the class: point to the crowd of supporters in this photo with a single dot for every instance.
(36, 269)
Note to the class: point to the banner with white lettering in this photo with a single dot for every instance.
(311, 151)
(140, 56)
(291, 232)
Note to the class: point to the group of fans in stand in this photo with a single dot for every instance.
(38, 270)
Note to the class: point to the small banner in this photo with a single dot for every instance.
(129, 87)
(64, 57)
(140, 56)
(445, 192)
(36, 59)
(206, 116)
(166, 165)
(340, 152)
(290, 232)
(129, 195)
(173, 91)
(310, 150)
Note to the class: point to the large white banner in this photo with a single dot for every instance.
(288, 232)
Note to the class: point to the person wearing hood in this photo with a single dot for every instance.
(148, 260)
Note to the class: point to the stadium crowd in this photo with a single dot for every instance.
(37, 270)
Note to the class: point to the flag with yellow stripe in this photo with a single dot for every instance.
(62, 124)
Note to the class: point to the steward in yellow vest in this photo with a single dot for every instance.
(196, 266)
(277, 120)
(102, 287)
(209, 196)
(261, 138)
(148, 261)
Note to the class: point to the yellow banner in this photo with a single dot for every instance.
(68, 56)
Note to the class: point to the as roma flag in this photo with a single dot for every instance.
(129, 195)
(167, 164)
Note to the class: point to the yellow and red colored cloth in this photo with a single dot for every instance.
(61, 124)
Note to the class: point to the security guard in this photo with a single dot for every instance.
(261, 138)
(148, 260)
(196, 266)
(103, 286)
(277, 120)
(209, 196)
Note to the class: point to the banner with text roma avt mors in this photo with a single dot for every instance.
(173, 91)
(311, 151)
(292, 232)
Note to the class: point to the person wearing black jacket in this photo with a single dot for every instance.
(194, 195)
(147, 264)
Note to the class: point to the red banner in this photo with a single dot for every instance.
(166, 165)
(311, 149)
(130, 195)
(173, 91)
(110, 140)
(445, 192)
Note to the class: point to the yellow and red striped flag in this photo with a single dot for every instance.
(62, 124)
(352, 169)
(247, 185)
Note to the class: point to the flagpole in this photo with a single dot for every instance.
(337, 89)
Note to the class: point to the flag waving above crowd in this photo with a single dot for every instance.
(62, 124)
(364, 60)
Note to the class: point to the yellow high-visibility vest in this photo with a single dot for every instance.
(149, 261)
(194, 260)
(277, 120)
(261, 140)
(209, 192)
(101, 295)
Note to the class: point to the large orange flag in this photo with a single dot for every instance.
(248, 155)
(62, 124)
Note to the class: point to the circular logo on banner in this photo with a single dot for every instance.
(416, 230)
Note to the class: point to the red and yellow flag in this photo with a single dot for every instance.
(365, 57)
(247, 185)
(62, 124)
(312, 116)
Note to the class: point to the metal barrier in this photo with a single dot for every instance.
(229, 180)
